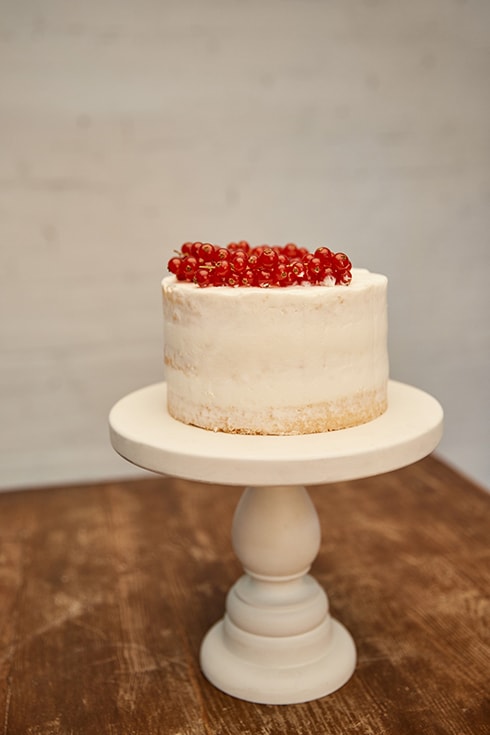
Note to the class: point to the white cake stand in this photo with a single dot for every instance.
(277, 643)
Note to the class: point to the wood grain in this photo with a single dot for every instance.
(107, 590)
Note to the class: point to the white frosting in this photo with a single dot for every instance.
(276, 360)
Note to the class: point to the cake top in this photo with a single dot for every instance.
(239, 264)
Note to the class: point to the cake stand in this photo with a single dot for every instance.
(277, 643)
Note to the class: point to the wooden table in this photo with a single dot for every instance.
(107, 590)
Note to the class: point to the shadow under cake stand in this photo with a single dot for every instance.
(277, 643)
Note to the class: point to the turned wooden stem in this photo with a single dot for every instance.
(276, 532)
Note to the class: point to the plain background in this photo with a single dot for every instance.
(129, 127)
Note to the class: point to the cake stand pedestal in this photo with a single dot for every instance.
(277, 643)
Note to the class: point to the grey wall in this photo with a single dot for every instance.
(129, 127)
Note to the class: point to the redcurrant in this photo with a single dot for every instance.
(341, 262)
(315, 270)
(174, 265)
(247, 278)
(344, 278)
(189, 267)
(263, 278)
(325, 255)
(203, 277)
(267, 258)
(297, 268)
(206, 252)
(291, 250)
(281, 275)
(222, 254)
(239, 263)
(222, 268)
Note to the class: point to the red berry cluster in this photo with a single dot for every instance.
(238, 264)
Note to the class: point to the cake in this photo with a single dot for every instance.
(307, 357)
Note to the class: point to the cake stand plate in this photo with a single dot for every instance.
(143, 432)
(277, 643)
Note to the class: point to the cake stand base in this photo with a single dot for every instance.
(268, 683)
(277, 643)
(274, 668)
